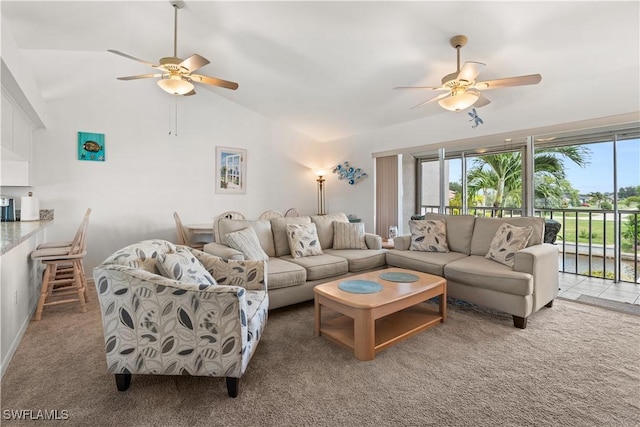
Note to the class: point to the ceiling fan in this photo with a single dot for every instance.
(176, 75)
(462, 89)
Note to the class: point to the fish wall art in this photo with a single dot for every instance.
(91, 146)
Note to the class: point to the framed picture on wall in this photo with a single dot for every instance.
(91, 146)
(231, 170)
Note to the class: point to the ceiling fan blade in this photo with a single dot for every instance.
(141, 76)
(435, 98)
(194, 62)
(470, 70)
(117, 52)
(482, 101)
(193, 92)
(421, 87)
(213, 81)
(530, 79)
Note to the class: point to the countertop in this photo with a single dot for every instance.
(14, 233)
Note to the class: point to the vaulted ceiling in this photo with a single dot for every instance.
(327, 69)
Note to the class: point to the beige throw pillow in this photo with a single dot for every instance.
(183, 266)
(507, 241)
(348, 235)
(428, 235)
(303, 240)
(246, 241)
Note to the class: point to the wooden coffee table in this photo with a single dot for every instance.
(375, 321)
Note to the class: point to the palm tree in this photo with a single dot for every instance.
(503, 172)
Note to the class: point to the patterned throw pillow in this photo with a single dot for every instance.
(507, 241)
(303, 240)
(429, 235)
(183, 266)
(246, 241)
(348, 235)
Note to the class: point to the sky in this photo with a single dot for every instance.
(597, 176)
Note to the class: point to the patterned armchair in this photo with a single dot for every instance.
(160, 326)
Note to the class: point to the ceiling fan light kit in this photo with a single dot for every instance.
(459, 101)
(462, 90)
(175, 85)
(176, 75)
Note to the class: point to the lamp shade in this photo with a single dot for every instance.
(458, 101)
(175, 86)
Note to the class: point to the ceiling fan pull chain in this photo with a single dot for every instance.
(176, 121)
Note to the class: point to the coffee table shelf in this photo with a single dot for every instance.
(389, 330)
(368, 323)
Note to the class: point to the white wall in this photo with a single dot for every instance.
(340, 196)
(148, 174)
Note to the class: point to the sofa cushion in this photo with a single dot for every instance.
(303, 240)
(348, 235)
(484, 273)
(183, 266)
(324, 225)
(246, 241)
(261, 227)
(361, 260)
(279, 230)
(508, 240)
(321, 266)
(459, 230)
(427, 262)
(283, 274)
(485, 229)
(429, 235)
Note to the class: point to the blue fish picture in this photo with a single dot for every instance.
(91, 146)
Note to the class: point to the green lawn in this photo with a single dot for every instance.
(597, 231)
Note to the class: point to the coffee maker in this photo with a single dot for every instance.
(8, 205)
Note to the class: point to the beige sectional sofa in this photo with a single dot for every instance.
(520, 290)
(291, 280)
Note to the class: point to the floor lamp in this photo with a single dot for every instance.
(320, 182)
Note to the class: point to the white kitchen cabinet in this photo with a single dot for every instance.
(17, 145)
(22, 135)
(7, 123)
(15, 173)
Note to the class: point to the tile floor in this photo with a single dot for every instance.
(573, 285)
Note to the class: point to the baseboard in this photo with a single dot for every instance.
(23, 328)
(16, 341)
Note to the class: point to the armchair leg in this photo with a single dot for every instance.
(519, 322)
(232, 386)
(123, 381)
(549, 304)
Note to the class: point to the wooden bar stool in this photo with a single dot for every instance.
(64, 270)
(55, 287)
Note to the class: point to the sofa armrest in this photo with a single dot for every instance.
(373, 241)
(402, 243)
(541, 261)
(223, 251)
(250, 275)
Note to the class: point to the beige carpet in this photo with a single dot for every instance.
(574, 365)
